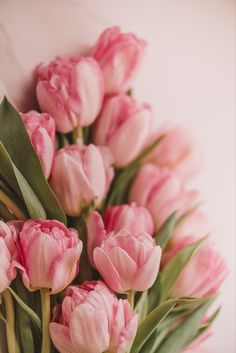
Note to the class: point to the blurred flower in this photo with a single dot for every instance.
(178, 150)
(204, 273)
(71, 89)
(92, 320)
(41, 130)
(131, 217)
(119, 56)
(50, 254)
(8, 253)
(162, 192)
(126, 261)
(195, 223)
(123, 126)
(80, 174)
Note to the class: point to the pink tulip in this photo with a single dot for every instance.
(196, 350)
(203, 275)
(126, 261)
(123, 126)
(50, 254)
(41, 130)
(162, 192)
(178, 150)
(195, 223)
(119, 56)
(135, 219)
(71, 89)
(8, 254)
(92, 320)
(79, 175)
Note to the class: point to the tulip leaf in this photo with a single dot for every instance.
(173, 269)
(34, 317)
(23, 319)
(124, 177)
(32, 202)
(151, 323)
(163, 235)
(142, 306)
(16, 142)
(154, 294)
(185, 331)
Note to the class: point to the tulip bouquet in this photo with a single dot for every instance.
(103, 247)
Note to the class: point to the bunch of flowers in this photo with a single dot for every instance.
(103, 247)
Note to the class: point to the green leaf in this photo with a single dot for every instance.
(173, 269)
(34, 317)
(123, 179)
(15, 139)
(142, 306)
(154, 294)
(151, 323)
(23, 319)
(32, 202)
(180, 337)
(164, 234)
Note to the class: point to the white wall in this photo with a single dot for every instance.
(188, 76)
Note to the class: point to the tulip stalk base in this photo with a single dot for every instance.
(45, 303)
(130, 297)
(10, 321)
(5, 199)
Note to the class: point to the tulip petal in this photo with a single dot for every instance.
(60, 336)
(107, 270)
(146, 275)
(89, 329)
(64, 268)
(95, 233)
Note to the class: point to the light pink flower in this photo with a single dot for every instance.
(123, 126)
(71, 89)
(8, 254)
(131, 217)
(195, 223)
(126, 261)
(204, 273)
(42, 133)
(50, 254)
(178, 150)
(119, 56)
(79, 175)
(92, 320)
(162, 192)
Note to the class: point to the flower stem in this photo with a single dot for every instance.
(5, 199)
(10, 321)
(45, 303)
(130, 297)
(77, 133)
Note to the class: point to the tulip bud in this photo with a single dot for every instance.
(126, 261)
(162, 192)
(92, 320)
(119, 56)
(71, 89)
(178, 150)
(50, 254)
(79, 175)
(41, 130)
(8, 254)
(123, 126)
(204, 273)
(135, 219)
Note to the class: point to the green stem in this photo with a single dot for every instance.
(77, 133)
(45, 303)
(130, 297)
(10, 321)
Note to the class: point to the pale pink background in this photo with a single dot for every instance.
(188, 76)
